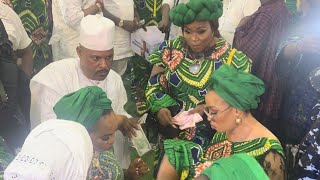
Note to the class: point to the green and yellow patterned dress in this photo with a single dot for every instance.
(105, 165)
(34, 17)
(178, 89)
(150, 11)
(189, 159)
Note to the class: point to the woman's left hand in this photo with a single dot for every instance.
(198, 109)
(137, 169)
(127, 126)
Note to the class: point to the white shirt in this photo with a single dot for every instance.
(67, 15)
(14, 28)
(63, 77)
(233, 12)
(124, 9)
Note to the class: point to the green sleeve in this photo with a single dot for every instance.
(239, 61)
(156, 93)
(183, 155)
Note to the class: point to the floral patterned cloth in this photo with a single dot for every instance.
(189, 159)
(106, 166)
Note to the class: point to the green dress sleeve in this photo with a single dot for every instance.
(157, 90)
(183, 155)
(239, 60)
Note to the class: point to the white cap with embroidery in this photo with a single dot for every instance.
(97, 33)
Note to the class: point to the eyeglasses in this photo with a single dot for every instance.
(212, 115)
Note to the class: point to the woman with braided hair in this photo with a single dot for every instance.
(182, 67)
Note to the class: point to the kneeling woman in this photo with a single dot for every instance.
(228, 106)
(91, 107)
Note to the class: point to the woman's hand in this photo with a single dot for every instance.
(165, 118)
(137, 169)
(127, 126)
(198, 109)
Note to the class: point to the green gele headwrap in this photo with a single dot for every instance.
(239, 89)
(237, 167)
(84, 106)
(196, 10)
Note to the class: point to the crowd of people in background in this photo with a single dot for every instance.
(247, 70)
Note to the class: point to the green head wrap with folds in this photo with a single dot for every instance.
(236, 167)
(196, 10)
(84, 106)
(239, 89)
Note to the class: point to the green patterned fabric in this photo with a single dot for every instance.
(196, 10)
(34, 17)
(177, 86)
(146, 9)
(178, 89)
(5, 157)
(105, 165)
(190, 159)
(292, 5)
(84, 106)
(239, 89)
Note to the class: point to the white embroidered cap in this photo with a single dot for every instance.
(97, 33)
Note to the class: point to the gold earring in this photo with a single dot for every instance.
(238, 120)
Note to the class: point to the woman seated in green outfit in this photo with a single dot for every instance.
(91, 107)
(228, 103)
(182, 67)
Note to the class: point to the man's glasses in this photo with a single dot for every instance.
(212, 115)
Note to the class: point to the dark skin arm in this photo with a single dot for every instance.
(26, 60)
(129, 26)
(164, 24)
(94, 9)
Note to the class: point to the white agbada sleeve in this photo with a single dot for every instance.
(72, 12)
(43, 100)
(14, 28)
(118, 95)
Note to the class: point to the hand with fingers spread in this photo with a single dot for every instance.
(165, 118)
(137, 169)
(127, 126)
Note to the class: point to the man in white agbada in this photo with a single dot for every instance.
(59, 78)
(233, 12)
(56, 149)
(67, 15)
